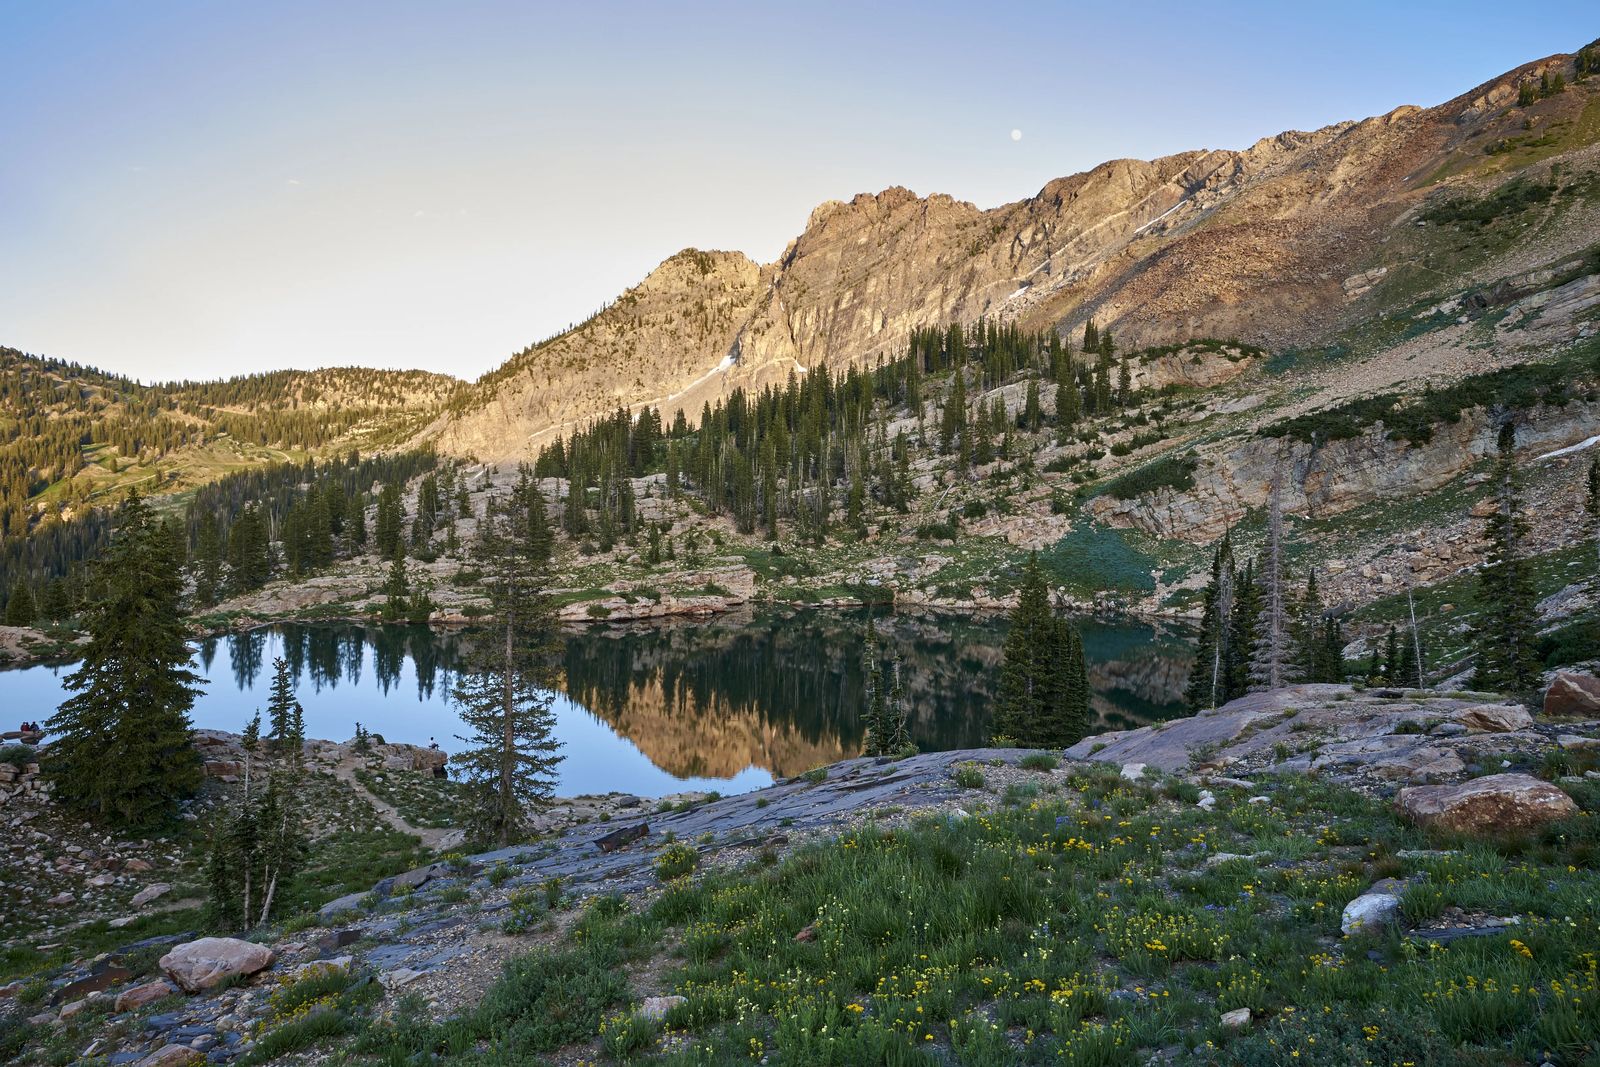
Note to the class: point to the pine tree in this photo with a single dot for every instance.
(1311, 635)
(1044, 684)
(386, 533)
(123, 751)
(1272, 660)
(1242, 631)
(207, 565)
(504, 689)
(396, 591)
(19, 604)
(1391, 657)
(1591, 514)
(1504, 630)
(282, 708)
(1208, 680)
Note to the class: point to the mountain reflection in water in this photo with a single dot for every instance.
(724, 703)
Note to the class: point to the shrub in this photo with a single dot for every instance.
(968, 776)
(675, 861)
(1039, 761)
(1168, 472)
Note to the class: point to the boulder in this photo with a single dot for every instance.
(1235, 1020)
(223, 768)
(1495, 718)
(149, 893)
(1499, 803)
(140, 995)
(1578, 743)
(1370, 912)
(1133, 771)
(1573, 696)
(210, 961)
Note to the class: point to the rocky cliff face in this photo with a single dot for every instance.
(1328, 479)
(1279, 244)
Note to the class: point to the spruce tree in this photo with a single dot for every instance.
(1273, 656)
(1208, 679)
(505, 688)
(282, 708)
(1504, 632)
(1044, 685)
(207, 563)
(123, 751)
(1591, 523)
(19, 604)
(396, 591)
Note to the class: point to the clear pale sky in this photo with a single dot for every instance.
(204, 189)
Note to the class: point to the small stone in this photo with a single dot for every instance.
(1261, 800)
(171, 1056)
(140, 995)
(656, 1008)
(120, 922)
(1235, 1020)
(61, 899)
(73, 1008)
(100, 881)
(807, 935)
(398, 977)
(1578, 743)
(149, 893)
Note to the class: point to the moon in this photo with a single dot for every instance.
(1016, 135)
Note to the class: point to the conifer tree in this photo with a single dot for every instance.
(123, 750)
(19, 604)
(1391, 657)
(1591, 524)
(207, 564)
(1273, 660)
(505, 688)
(387, 528)
(1504, 630)
(1208, 679)
(1242, 630)
(396, 591)
(282, 708)
(1044, 683)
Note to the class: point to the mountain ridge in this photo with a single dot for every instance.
(1256, 244)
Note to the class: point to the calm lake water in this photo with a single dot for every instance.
(727, 703)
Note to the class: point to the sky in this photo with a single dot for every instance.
(196, 190)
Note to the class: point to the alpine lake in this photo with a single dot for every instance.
(728, 703)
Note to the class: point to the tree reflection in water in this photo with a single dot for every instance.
(776, 689)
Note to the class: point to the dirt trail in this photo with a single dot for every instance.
(438, 839)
